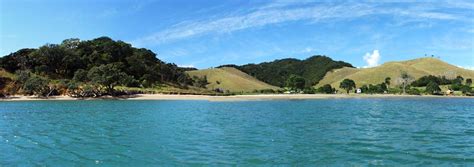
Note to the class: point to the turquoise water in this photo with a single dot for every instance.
(413, 131)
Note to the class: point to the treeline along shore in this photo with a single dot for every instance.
(106, 68)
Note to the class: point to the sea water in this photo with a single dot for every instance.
(334, 132)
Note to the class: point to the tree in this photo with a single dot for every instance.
(432, 88)
(465, 89)
(379, 88)
(295, 82)
(50, 60)
(364, 89)
(387, 81)
(348, 85)
(326, 89)
(109, 76)
(22, 76)
(80, 75)
(405, 78)
(184, 80)
(468, 81)
(383, 87)
(458, 80)
(71, 43)
(200, 81)
(36, 85)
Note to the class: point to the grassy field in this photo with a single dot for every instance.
(415, 68)
(231, 79)
(5, 74)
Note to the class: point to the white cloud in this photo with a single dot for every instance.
(257, 18)
(186, 66)
(373, 59)
(283, 11)
(307, 50)
(467, 67)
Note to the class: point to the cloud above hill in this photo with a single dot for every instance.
(372, 59)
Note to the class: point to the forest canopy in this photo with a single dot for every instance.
(97, 65)
(73, 56)
(277, 72)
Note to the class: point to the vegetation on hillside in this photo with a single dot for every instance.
(101, 63)
(416, 68)
(103, 66)
(424, 85)
(295, 83)
(278, 72)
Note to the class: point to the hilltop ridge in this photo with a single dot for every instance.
(415, 68)
(277, 72)
(230, 79)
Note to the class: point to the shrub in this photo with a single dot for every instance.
(413, 91)
(433, 88)
(36, 85)
(326, 89)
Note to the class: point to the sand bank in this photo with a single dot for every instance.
(227, 98)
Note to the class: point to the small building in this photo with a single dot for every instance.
(449, 92)
(358, 91)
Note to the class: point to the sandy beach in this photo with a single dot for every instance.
(227, 98)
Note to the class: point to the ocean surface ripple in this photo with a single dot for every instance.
(335, 132)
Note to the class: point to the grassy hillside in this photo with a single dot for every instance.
(5, 74)
(277, 72)
(6, 81)
(416, 68)
(229, 78)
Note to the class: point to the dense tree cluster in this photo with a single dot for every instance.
(201, 82)
(433, 88)
(278, 72)
(101, 61)
(425, 80)
(327, 89)
(348, 85)
(431, 82)
(374, 89)
(295, 83)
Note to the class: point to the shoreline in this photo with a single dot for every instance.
(227, 98)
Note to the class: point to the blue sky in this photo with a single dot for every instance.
(209, 33)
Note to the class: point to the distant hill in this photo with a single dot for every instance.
(63, 61)
(415, 68)
(277, 72)
(229, 78)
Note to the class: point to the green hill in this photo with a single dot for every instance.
(75, 56)
(229, 78)
(277, 72)
(6, 80)
(415, 68)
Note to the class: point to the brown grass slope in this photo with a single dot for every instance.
(415, 68)
(6, 81)
(231, 79)
(5, 74)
